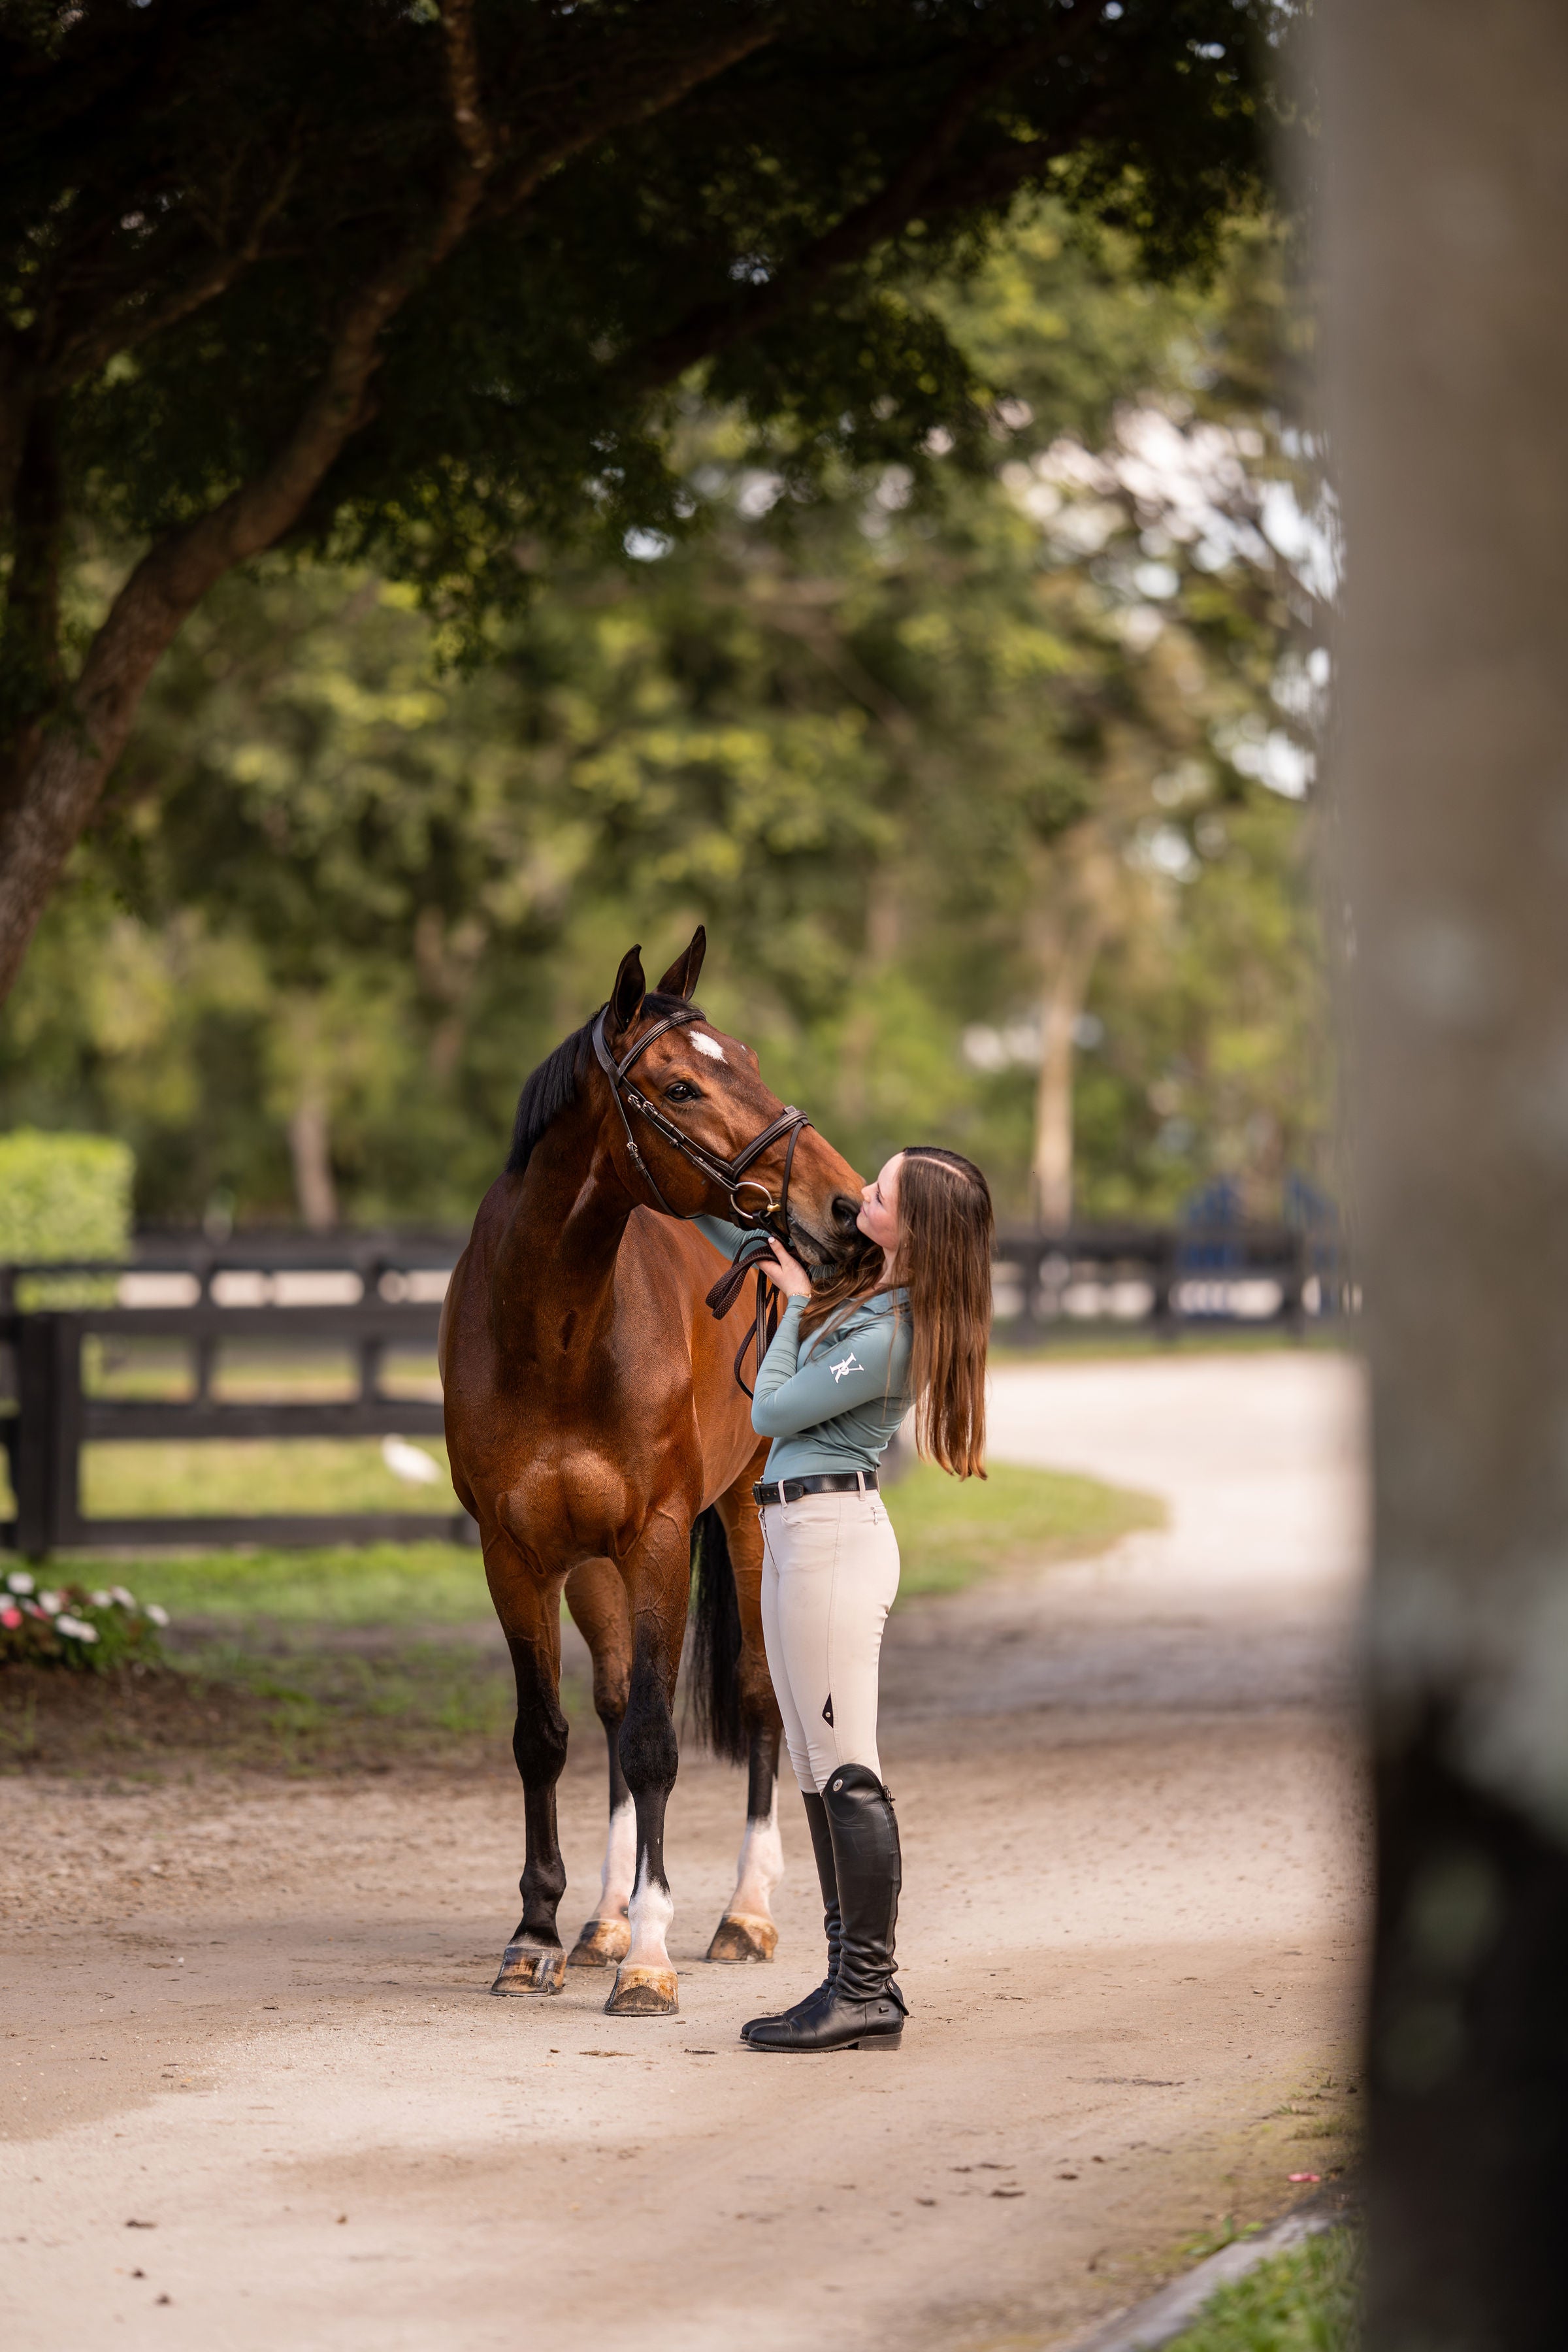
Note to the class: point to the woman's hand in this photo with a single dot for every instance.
(788, 1272)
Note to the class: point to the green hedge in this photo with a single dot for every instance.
(64, 1196)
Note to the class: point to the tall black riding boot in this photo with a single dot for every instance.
(863, 2009)
(821, 1847)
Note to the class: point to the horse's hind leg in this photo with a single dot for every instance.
(530, 1608)
(598, 1600)
(746, 1931)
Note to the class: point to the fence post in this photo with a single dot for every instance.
(1162, 1277)
(66, 1434)
(33, 1456)
(1293, 1306)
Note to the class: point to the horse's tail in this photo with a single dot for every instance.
(714, 1685)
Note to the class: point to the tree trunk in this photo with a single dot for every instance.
(1445, 180)
(883, 914)
(310, 1146)
(1062, 1001)
(1078, 899)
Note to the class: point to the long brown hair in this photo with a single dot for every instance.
(945, 1227)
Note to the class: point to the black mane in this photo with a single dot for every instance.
(552, 1087)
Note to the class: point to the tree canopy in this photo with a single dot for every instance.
(889, 742)
(427, 285)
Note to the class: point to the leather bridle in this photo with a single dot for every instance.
(730, 1175)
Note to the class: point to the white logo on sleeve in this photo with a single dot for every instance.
(851, 1364)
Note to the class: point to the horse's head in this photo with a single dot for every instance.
(706, 1087)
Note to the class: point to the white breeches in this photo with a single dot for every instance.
(830, 1568)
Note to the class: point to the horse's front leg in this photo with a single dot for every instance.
(529, 1609)
(598, 1600)
(746, 1931)
(657, 1584)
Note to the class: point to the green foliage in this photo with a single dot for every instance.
(194, 204)
(860, 719)
(1305, 2301)
(63, 1196)
(82, 1629)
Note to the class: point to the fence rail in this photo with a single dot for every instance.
(369, 1297)
(1166, 1280)
(375, 1297)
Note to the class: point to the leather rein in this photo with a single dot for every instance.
(730, 1175)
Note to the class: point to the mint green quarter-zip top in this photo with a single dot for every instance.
(833, 1401)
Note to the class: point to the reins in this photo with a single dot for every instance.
(730, 1174)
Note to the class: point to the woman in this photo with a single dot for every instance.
(847, 1360)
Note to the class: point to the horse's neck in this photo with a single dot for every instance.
(556, 1259)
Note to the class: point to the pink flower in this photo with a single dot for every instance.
(10, 1618)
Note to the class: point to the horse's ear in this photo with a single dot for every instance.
(628, 991)
(681, 978)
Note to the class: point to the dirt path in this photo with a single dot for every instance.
(256, 2017)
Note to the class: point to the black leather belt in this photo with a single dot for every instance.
(790, 1490)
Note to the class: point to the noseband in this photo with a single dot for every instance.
(730, 1175)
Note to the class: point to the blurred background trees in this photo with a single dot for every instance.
(991, 778)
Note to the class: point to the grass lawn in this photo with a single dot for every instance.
(950, 1532)
(1304, 2301)
(364, 1657)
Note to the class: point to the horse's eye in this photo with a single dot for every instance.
(682, 1091)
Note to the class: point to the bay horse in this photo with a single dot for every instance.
(598, 1433)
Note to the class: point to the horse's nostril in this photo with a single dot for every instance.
(846, 1211)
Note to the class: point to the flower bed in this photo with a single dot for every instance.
(69, 1625)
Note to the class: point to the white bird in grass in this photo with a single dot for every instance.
(410, 1462)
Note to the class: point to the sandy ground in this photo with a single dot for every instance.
(256, 2094)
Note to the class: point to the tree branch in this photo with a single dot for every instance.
(52, 801)
(91, 348)
(30, 670)
(473, 128)
(686, 73)
(713, 327)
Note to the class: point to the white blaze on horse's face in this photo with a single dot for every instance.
(709, 1045)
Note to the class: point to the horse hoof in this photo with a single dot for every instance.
(644, 1992)
(742, 1936)
(601, 1943)
(530, 1969)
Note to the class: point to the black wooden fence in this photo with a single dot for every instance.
(1166, 1280)
(370, 1296)
(378, 1296)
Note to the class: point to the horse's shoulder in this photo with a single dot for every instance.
(659, 1244)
